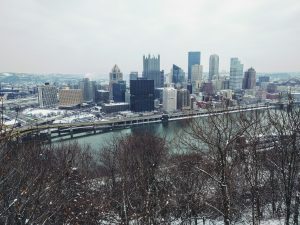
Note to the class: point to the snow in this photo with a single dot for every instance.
(44, 112)
(11, 122)
(85, 117)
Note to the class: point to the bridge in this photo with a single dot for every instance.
(49, 132)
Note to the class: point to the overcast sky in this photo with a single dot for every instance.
(90, 36)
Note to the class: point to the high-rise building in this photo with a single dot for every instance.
(262, 79)
(178, 76)
(162, 78)
(118, 91)
(141, 95)
(133, 75)
(183, 98)
(115, 75)
(189, 87)
(207, 88)
(93, 89)
(151, 70)
(70, 98)
(196, 78)
(169, 99)
(236, 74)
(87, 89)
(193, 58)
(47, 96)
(249, 81)
(213, 66)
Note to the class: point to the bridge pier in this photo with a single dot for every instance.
(94, 129)
(49, 135)
(71, 132)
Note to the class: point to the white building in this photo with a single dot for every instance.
(169, 99)
(236, 74)
(47, 96)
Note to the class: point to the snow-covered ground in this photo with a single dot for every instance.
(12, 122)
(83, 117)
(44, 113)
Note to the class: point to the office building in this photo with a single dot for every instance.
(249, 81)
(178, 76)
(162, 78)
(47, 96)
(213, 66)
(193, 58)
(115, 107)
(236, 74)
(169, 99)
(70, 98)
(151, 70)
(189, 87)
(87, 89)
(141, 95)
(118, 91)
(133, 75)
(207, 88)
(102, 96)
(196, 77)
(114, 76)
(183, 99)
(263, 79)
(158, 94)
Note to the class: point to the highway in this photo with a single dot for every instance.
(127, 122)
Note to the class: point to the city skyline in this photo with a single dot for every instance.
(80, 37)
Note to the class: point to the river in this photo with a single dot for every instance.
(171, 131)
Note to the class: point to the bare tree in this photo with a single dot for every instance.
(217, 138)
(285, 128)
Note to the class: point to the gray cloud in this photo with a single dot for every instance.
(90, 36)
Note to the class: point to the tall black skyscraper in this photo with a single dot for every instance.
(249, 81)
(141, 95)
(118, 91)
(151, 70)
(193, 58)
(178, 76)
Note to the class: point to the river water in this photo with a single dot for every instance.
(171, 131)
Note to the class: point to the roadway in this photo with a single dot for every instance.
(129, 121)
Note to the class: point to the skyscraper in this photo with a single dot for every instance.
(236, 74)
(151, 70)
(213, 66)
(87, 89)
(178, 76)
(141, 95)
(183, 98)
(114, 76)
(249, 81)
(196, 78)
(133, 75)
(118, 91)
(193, 58)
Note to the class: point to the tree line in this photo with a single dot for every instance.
(235, 168)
